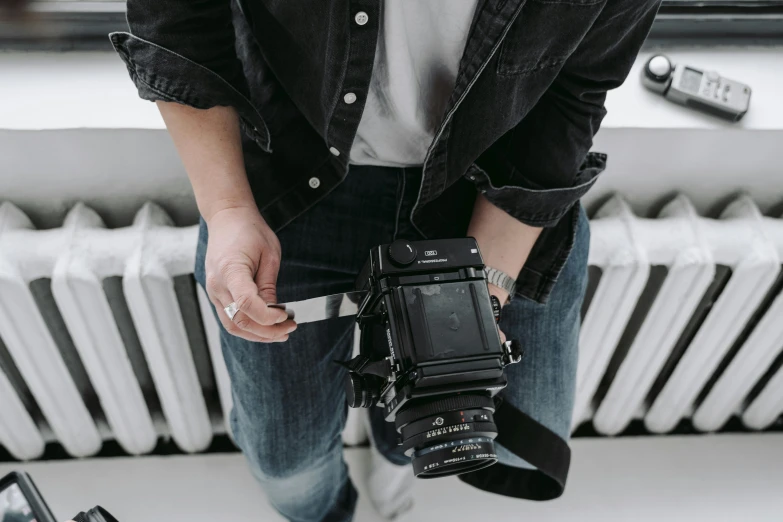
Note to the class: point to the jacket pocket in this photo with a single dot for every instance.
(161, 74)
(544, 35)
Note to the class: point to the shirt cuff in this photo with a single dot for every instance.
(538, 206)
(161, 74)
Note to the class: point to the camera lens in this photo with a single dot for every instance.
(448, 435)
(454, 457)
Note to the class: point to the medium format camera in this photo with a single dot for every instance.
(430, 352)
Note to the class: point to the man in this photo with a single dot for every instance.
(313, 131)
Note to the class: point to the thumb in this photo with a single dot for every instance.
(266, 277)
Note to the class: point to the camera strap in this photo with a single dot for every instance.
(534, 443)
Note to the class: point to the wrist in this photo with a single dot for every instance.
(214, 208)
(502, 295)
(501, 280)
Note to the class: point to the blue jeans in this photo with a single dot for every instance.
(289, 404)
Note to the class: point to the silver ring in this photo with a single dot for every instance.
(231, 310)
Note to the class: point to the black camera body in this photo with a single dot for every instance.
(431, 354)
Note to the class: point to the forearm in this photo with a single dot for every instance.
(210, 145)
(504, 241)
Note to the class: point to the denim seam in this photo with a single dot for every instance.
(166, 96)
(550, 190)
(542, 64)
(400, 196)
(449, 115)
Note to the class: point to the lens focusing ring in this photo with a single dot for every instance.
(443, 405)
(358, 392)
(445, 419)
(438, 436)
(454, 457)
(448, 435)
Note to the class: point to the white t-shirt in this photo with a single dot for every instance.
(417, 59)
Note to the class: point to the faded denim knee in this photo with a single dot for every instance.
(301, 485)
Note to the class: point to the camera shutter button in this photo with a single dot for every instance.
(402, 252)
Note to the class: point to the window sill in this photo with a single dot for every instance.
(80, 90)
(633, 106)
(91, 90)
(71, 126)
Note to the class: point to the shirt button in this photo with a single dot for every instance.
(314, 183)
(334, 151)
(349, 98)
(361, 18)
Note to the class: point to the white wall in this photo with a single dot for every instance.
(113, 171)
(649, 165)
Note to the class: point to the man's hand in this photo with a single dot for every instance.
(242, 262)
(505, 242)
(243, 253)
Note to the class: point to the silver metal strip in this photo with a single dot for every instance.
(324, 307)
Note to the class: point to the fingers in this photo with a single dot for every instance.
(242, 263)
(271, 333)
(238, 286)
(254, 333)
(244, 292)
(266, 277)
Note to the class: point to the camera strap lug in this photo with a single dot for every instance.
(512, 352)
(363, 305)
(362, 365)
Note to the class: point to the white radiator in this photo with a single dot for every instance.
(685, 321)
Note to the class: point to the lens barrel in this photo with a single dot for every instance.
(454, 457)
(448, 435)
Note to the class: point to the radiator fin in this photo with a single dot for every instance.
(30, 344)
(105, 335)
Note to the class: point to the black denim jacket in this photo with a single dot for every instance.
(529, 97)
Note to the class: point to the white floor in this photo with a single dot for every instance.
(731, 478)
